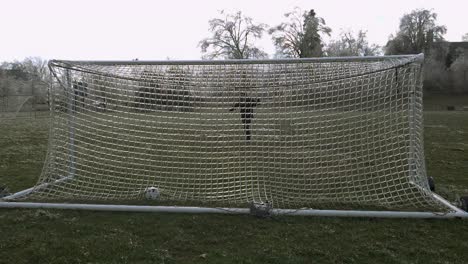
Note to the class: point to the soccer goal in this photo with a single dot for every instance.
(328, 136)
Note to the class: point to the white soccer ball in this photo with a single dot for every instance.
(152, 193)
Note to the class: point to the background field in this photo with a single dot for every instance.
(52, 236)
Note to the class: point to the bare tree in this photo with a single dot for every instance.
(350, 45)
(233, 38)
(16, 70)
(37, 68)
(300, 36)
(418, 30)
(31, 68)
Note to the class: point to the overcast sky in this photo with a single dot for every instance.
(155, 30)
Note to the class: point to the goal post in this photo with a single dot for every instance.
(325, 136)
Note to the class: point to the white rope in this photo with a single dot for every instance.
(309, 133)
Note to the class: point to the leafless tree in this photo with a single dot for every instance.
(350, 45)
(37, 68)
(233, 38)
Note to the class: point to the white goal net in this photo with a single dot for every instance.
(310, 133)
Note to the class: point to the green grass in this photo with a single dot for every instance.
(54, 236)
(446, 150)
(23, 146)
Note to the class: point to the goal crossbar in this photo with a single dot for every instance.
(416, 58)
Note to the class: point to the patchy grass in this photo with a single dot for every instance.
(38, 236)
(23, 146)
(53, 236)
(446, 150)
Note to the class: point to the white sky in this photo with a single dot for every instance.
(157, 30)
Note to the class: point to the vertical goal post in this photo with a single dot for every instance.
(317, 136)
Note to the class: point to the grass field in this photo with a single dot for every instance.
(52, 236)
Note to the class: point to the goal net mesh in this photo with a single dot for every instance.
(311, 133)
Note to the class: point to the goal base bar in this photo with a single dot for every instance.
(208, 210)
